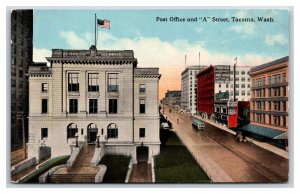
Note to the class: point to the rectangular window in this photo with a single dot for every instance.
(275, 105)
(21, 73)
(269, 92)
(284, 90)
(284, 105)
(142, 106)
(269, 80)
(44, 106)
(13, 61)
(112, 132)
(224, 110)
(44, 133)
(13, 83)
(93, 82)
(243, 85)
(13, 71)
(284, 121)
(270, 106)
(44, 87)
(243, 72)
(93, 106)
(284, 77)
(113, 85)
(243, 79)
(142, 132)
(73, 84)
(113, 106)
(20, 84)
(73, 106)
(142, 88)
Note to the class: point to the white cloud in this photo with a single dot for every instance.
(168, 56)
(245, 28)
(271, 40)
(39, 54)
(74, 41)
(198, 30)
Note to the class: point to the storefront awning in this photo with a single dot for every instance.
(265, 132)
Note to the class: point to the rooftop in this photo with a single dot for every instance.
(93, 56)
(269, 64)
(146, 71)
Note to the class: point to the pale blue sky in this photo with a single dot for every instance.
(216, 37)
(165, 44)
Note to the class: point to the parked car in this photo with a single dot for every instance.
(165, 125)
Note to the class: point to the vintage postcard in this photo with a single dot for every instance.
(150, 96)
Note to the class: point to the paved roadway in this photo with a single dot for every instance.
(226, 160)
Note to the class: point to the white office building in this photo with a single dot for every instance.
(224, 81)
(89, 95)
(189, 88)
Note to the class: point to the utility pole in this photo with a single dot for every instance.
(234, 67)
(21, 115)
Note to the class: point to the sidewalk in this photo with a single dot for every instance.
(263, 145)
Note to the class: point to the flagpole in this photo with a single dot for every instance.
(95, 32)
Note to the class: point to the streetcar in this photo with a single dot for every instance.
(198, 124)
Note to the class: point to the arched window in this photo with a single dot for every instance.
(71, 130)
(112, 131)
(92, 126)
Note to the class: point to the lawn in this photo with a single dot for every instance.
(34, 176)
(175, 164)
(117, 167)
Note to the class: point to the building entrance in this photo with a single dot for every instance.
(92, 135)
(142, 153)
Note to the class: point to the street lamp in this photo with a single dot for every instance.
(98, 142)
(76, 136)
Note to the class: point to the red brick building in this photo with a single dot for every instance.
(206, 90)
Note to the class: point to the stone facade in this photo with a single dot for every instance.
(93, 94)
(189, 88)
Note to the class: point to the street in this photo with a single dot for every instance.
(227, 160)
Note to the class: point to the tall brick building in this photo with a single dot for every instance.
(21, 58)
(269, 106)
(90, 95)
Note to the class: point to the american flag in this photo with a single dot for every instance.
(103, 23)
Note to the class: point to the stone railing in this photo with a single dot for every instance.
(75, 152)
(98, 155)
(153, 169)
(99, 176)
(129, 170)
(23, 165)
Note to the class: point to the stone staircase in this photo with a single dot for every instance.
(80, 172)
(141, 173)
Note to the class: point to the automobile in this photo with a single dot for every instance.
(165, 125)
(198, 124)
